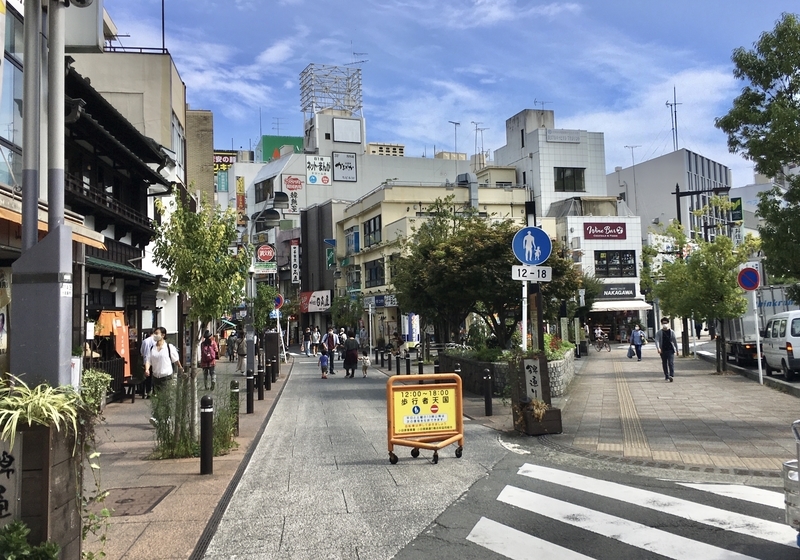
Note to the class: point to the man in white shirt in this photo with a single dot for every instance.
(330, 341)
(144, 350)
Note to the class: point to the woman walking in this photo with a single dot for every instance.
(208, 359)
(161, 360)
(350, 350)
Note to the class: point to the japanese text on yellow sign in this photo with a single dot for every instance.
(424, 410)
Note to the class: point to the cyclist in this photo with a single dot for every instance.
(599, 335)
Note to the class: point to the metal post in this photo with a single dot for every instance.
(419, 366)
(382, 359)
(250, 391)
(376, 356)
(207, 435)
(268, 374)
(235, 406)
(260, 381)
(408, 364)
(31, 129)
(397, 364)
(276, 369)
(487, 391)
(436, 366)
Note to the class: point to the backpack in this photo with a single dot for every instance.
(241, 348)
(207, 353)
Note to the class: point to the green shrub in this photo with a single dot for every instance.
(94, 386)
(14, 544)
(488, 354)
(556, 348)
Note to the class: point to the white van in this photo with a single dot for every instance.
(781, 344)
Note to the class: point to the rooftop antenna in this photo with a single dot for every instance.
(673, 113)
(260, 132)
(476, 135)
(356, 56)
(542, 103)
(276, 124)
(635, 192)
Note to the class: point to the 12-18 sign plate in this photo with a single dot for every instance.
(532, 273)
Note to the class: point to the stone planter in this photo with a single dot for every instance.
(561, 374)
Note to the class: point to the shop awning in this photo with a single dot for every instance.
(117, 269)
(622, 305)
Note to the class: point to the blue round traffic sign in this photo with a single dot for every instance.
(531, 245)
(279, 301)
(749, 279)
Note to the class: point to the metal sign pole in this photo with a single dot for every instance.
(524, 315)
(758, 336)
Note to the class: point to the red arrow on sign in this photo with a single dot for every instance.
(265, 253)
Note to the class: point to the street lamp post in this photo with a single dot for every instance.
(678, 195)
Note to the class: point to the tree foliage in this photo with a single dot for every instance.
(192, 247)
(458, 262)
(346, 312)
(764, 126)
(263, 304)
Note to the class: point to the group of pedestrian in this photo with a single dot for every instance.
(666, 345)
(345, 344)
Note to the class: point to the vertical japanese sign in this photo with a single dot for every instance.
(11, 485)
(223, 160)
(294, 252)
(318, 170)
(5, 299)
(241, 202)
(533, 379)
(293, 184)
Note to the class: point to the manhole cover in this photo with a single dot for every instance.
(135, 501)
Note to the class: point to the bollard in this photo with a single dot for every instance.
(457, 369)
(419, 366)
(376, 356)
(382, 357)
(250, 388)
(389, 359)
(260, 383)
(436, 369)
(276, 369)
(268, 375)
(487, 391)
(235, 406)
(397, 363)
(207, 435)
(408, 364)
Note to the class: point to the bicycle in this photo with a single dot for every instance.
(601, 343)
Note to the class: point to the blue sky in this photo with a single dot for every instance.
(607, 66)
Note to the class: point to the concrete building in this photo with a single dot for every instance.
(649, 189)
(200, 153)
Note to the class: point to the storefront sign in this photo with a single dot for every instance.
(315, 302)
(344, 166)
(318, 170)
(594, 230)
(563, 136)
(294, 252)
(618, 291)
(241, 202)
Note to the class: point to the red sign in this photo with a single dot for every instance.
(292, 183)
(265, 253)
(595, 230)
(434, 409)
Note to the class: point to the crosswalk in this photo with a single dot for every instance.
(654, 524)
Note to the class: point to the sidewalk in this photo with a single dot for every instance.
(319, 470)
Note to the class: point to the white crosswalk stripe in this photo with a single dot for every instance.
(516, 544)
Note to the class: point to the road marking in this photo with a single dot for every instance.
(629, 532)
(751, 526)
(516, 544)
(634, 442)
(513, 447)
(739, 492)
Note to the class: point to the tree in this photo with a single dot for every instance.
(764, 126)
(263, 305)
(193, 249)
(346, 312)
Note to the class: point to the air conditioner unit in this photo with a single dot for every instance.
(576, 243)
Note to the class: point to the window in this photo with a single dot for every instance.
(372, 231)
(795, 327)
(374, 273)
(353, 278)
(522, 137)
(264, 190)
(610, 264)
(351, 240)
(570, 179)
(11, 104)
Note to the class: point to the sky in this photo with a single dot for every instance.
(605, 66)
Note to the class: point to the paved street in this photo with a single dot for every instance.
(318, 482)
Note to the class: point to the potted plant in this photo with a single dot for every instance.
(94, 389)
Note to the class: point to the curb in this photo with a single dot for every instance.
(771, 382)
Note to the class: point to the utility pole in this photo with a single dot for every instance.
(673, 113)
(455, 135)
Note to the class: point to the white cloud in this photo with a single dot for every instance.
(275, 54)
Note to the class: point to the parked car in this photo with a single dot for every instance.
(781, 345)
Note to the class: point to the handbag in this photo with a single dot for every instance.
(630, 351)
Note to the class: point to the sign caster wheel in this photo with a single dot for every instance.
(415, 453)
(435, 457)
(392, 458)
(459, 451)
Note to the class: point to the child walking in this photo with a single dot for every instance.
(323, 363)
(365, 362)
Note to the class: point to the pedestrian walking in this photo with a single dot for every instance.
(350, 350)
(637, 339)
(323, 363)
(316, 338)
(667, 346)
(329, 343)
(144, 351)
(307, 341)
(241, 352)
(208, 359)
(365, 362)
(162, 360)
(231, 346)
(342, 340)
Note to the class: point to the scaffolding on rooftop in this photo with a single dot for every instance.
(330, 87)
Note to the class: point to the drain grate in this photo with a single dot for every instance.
(135, 501)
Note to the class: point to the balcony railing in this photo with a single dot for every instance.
(100, 199)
